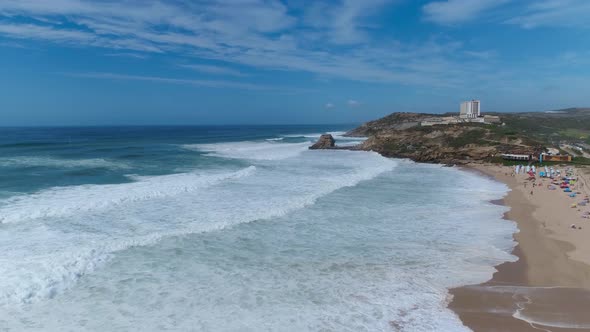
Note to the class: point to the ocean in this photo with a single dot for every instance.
(234, 229)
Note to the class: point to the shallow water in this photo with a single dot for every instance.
(229, 229)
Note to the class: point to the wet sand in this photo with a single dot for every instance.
(548, 288)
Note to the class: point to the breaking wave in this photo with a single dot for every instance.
(252, 150)
(63, 201)
(79, 228)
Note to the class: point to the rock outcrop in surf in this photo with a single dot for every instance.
(326, 141)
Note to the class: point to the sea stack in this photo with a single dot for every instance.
(326, 141)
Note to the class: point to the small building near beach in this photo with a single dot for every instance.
(514, 156)
(558, 158)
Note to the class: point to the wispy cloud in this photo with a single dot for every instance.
(169, 80)
(329, 106)
(215, 70)
(345, 22)
(128, 55)
(527, 14)
(458, 11)
(253, 33)
(564, 13)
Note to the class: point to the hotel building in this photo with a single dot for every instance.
(470, 109)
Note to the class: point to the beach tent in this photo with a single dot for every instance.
(567, 190)
(573, 195)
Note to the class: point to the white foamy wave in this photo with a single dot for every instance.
(312, 135)
(252, 150)
(63, 201)
(382, 254)
(29, 161)
(44, 259)
(339, 137)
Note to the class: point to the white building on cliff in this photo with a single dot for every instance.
(470, 109)
(469, 112)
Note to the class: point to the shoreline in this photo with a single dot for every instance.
(548, 287)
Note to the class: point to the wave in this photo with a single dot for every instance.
(59, 251)
(341, 140)
(251, 150)
(30, 161)
(63, 201)
(271, 148)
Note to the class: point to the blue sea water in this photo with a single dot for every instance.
(234, 229)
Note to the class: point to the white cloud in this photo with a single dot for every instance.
(257, 33)
(458, 11)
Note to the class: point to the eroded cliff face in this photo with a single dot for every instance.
(400, 135)
(394, 121)
(434, 147)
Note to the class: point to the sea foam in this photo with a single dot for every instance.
(79, 228)
(33, 161)
(62, 201)
(300, 240)
(267, 150)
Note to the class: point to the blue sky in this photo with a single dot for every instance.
(82, 62)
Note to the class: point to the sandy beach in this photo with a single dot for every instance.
(548, 288)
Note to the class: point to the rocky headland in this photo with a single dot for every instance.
(403, 135)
